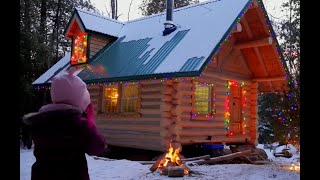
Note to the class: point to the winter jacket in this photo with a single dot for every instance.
(62, 135)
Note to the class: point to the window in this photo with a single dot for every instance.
(110, 99)
(203, 99)
(126, 101)
(79, 49)
(129, 99)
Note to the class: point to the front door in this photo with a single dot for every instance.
(235, 110)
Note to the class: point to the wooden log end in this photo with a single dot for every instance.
(175, 171)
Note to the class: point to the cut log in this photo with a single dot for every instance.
(175, 171)
(223, 158)
(254, 43)
(205, 157)
(238, 28)
(154, 167)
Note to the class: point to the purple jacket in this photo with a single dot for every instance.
(62, 135)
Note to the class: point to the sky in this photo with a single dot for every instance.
(272, 6)
(108, 169)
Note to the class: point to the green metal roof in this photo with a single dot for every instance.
(127, 59)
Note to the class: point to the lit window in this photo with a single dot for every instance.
(110, 99)
(79, 51)
(202, 104)
(129, 100)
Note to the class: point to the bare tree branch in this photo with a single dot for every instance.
(107, 10)
(129, 10)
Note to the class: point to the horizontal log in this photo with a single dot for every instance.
(202, 124)
(148, 103)
(226, 76)
(202, 132)
(151, 115)
(183, 85)
(157, 106)
(145, 92)
(180, 101)
(168, 91)
(150, 111)
(254, 43)
(132, 136)
(155, 95)
(93, 87)
(152, 85)
(155, 81)
(127, 122)
(146, 144)
(166, 114)
(139, 128)
(209, 119)
(278, 78)
(223, 158)
(166, 98)
(102, 119)
(96, 46)
(216, 139)
(99, 38)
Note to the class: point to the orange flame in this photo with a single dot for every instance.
(173, 155)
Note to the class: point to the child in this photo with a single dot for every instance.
(64, 131)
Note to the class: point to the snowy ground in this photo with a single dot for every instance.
(130, 170)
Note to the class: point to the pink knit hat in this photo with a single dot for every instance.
(70, 89)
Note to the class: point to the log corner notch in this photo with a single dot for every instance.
(254, 43)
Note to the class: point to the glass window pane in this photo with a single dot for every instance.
(110, 99)
(129, 101)
(202, 99)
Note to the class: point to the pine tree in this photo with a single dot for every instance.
(42, 43)
(149, 7)
(284, 119)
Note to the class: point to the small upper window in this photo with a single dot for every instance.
(79, 49)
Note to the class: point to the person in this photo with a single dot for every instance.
(64, 131)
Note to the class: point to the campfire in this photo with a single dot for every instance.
(171, 163)
(295, 167)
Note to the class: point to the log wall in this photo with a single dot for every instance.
(97, 42)
(136, 130)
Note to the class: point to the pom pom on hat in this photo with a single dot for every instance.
(70, 89)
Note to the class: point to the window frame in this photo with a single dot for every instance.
(87, 47)
(104, 99)
(120, 100)
(211, 98)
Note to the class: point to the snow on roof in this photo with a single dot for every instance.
(57, 68)
(98, 23)
(201, 28)
(208, 22)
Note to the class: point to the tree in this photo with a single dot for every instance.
(42, 43)
(149, 7)
(284, 117)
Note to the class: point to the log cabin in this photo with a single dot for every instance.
(189, 75)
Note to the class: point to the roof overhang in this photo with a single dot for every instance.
(74, 24)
